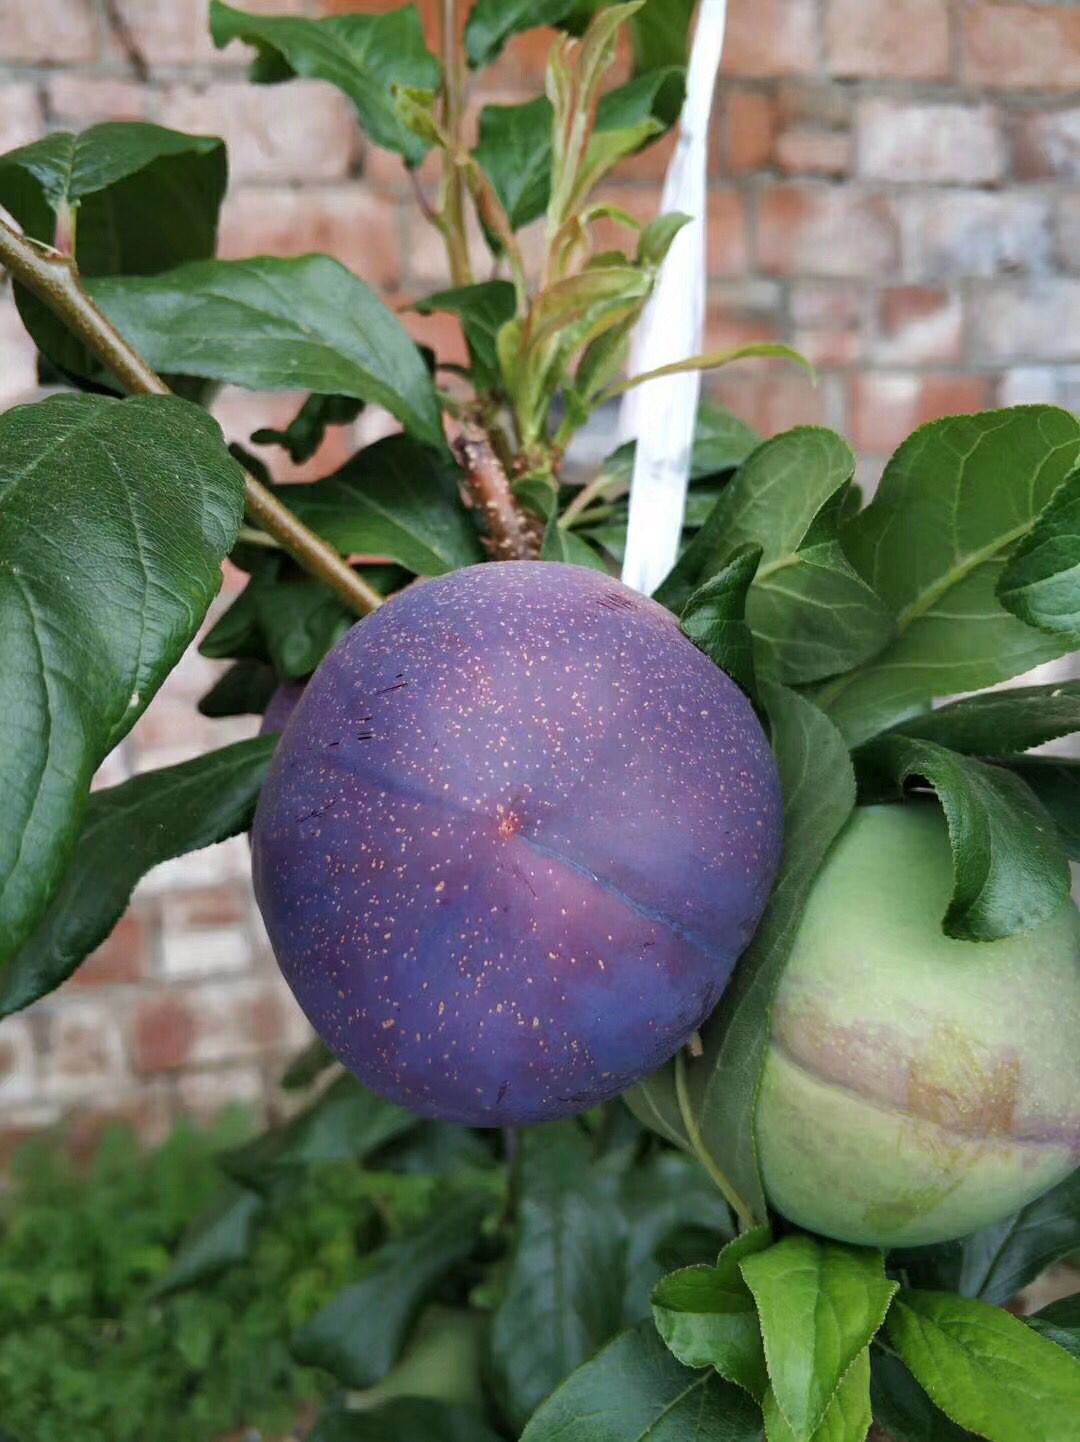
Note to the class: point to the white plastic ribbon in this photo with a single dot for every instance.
(660, 415)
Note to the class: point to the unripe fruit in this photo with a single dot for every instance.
(917, 1088)
(512, 842)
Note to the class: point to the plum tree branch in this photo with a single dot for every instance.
(453, 205)
(511, 536)
(54, 279)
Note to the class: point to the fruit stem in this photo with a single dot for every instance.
(54, 279)
(453, 202)
(511, 536)
(693, 1132)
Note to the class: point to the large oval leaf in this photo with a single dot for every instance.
(955, 500)
(114, 519)
(366, 56)
(394, 498)
(129, 829)
(306, 324)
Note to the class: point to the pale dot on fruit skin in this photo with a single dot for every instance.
(597, 890)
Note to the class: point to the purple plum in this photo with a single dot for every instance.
(282, 705)
(513, 841)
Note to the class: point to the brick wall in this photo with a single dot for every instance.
(896, 191)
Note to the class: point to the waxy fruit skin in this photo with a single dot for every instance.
(916, 1088)
(514, 838)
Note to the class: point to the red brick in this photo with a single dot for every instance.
(78, 101)
(727, 327)
(217, 1023)
(1067, 232)
(824, 232)
(768, 396)
(85, 1050)
(241, 412)
(652, 162)
(814, 152)
(1033, 320)
(442, 332)
(888, 39)
(120, 960)
(205, 1095)
(747, 129)
(361, 230)
(49, 32)
(886, 408)
(1046, 145)
(960, 233)
(164, 1033)
(177, 32)
(18, 1062)
(18, 373)
(915, 141)
(725, 237)
(826, 305)
(918, 325)
(1021, 46)
(771, 37)
(307, 131)
(816, 104)
(21, 118)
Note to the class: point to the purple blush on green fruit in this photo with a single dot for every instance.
(513, 841)
(916, 1088)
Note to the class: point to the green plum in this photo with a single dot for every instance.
(916, 1088)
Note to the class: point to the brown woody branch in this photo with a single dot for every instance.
(54, 279)
(511, 534)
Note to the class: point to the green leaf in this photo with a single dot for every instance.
(515, 153)
(394, 498)
(515, 148)
(715, 617)
(484, 309)
(218, 1239)
(1060, 1323)
(661, 32)
(999, 1261)
(1041, 583)
(563, 1295)
(345, 1123)
(1010, 872)
(125, 180)
(997, 723)
(713, 360)
(721, 441)
(955, 500)
(493, 22)
(810, 613)
(820, 1304)
(126, 831)
(847, 1417)
(985, 1369)
(307, 1066)
(300, 620)
(635, 1391)
(244, 689)
(1055, 782)
(563, 545)
(305, 324)
(708, 1318)
(305, 433)
(145, 199)
(780, 488)
(114, 519)
(405, 1419)
(819, 795)
(902, 1407)
(365, 56)
(360, 1334)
